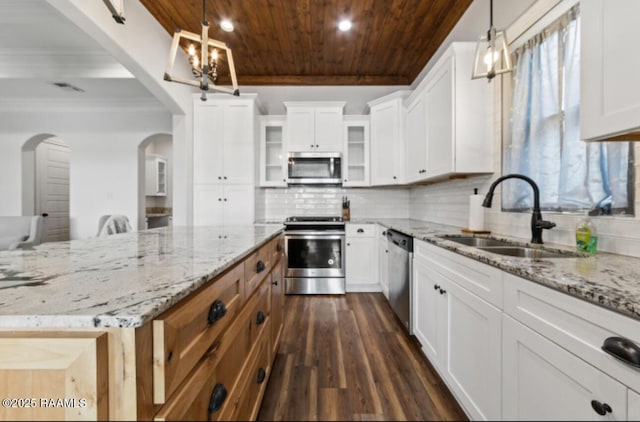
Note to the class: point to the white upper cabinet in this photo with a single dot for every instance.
(355, 162)
(224, 141)
(387, 139)
(416, 138)
(314, 126)
(156, 175)
(610, 82)
(273, 155)
(450, 120)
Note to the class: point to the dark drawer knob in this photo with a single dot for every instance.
(261, 317)
(262, 374)
(218, 396)
(260, 266)
(442, 291)
(360, 231)
(601, 408)
(216, 311)
(278, 247)
(275, 282)
(436, 287)
(623, 349)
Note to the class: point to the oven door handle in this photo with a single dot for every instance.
(314, 235)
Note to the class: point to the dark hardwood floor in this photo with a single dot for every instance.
(348, 358)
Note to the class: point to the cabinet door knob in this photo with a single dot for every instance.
(262, 374)
(217, 310)
(275, 283)
(316, 145)
(623, 349)
(345, 180)
(442, 291)
(219, 178)
(601, 408)
(225, 199)
(284, 180)
(394, 177)
(278, 247)
(45, 214)
(348, 244)
(219, 199)
(260, 318)
(225, 177)
(218, 395)
(436, 287)
(311, 145)
(260, 266)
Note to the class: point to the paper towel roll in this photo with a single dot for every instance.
(476, 213)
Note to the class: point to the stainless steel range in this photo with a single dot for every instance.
(314, 248)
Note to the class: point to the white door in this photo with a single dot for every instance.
(542, 381)
(361, 265)
(384, 122)
(328, 129)
(238, 201)
(383, 260)
(208, 205)
(439, 113)
(416, 140)
(427, 317)
(238, 144)
(52, 189)
(301, 129)
(633, 401)
(473, 357)
(208, 153)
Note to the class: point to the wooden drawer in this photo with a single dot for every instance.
(258, 265)
(574, 324)
(260, 310)
(218, 371)
(183, 334)
(360, 230)
(246, 404)
(481, 279)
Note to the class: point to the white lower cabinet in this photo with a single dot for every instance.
(460, 334)
(543, 381)
(361, 257)
(383, 260)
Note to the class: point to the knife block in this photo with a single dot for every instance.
(346, 214)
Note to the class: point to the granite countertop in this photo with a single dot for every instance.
(123, 280)
(158, 214)
(609, 280)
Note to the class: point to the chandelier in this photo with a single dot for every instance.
(204, 60)
(492, 55)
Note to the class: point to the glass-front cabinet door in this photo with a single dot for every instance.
(356, 151)
(273, 155)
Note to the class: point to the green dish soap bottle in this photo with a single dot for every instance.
(586, 236)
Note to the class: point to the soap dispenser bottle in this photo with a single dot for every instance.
(586, 236)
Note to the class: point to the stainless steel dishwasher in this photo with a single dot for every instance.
(400, 270)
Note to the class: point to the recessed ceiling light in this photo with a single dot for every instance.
(226, 25)
(344, 25)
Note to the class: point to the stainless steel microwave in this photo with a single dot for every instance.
(314, 168)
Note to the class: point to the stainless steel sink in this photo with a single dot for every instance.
(478, 242)
(524, 252)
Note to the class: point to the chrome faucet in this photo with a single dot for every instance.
(537, 223)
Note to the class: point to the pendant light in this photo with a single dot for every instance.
(492, 55)
(204, 60)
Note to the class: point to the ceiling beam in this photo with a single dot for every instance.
(34, 63)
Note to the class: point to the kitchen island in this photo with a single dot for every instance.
(124, 326)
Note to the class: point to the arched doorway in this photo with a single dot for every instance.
(45, 184)
(155, 167)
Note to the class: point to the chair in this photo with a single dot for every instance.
(113, 224)
(20, 232)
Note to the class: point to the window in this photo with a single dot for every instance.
(543, 140)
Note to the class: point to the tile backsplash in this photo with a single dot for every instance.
(275, 204)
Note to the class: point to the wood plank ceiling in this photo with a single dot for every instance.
(297, 42)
